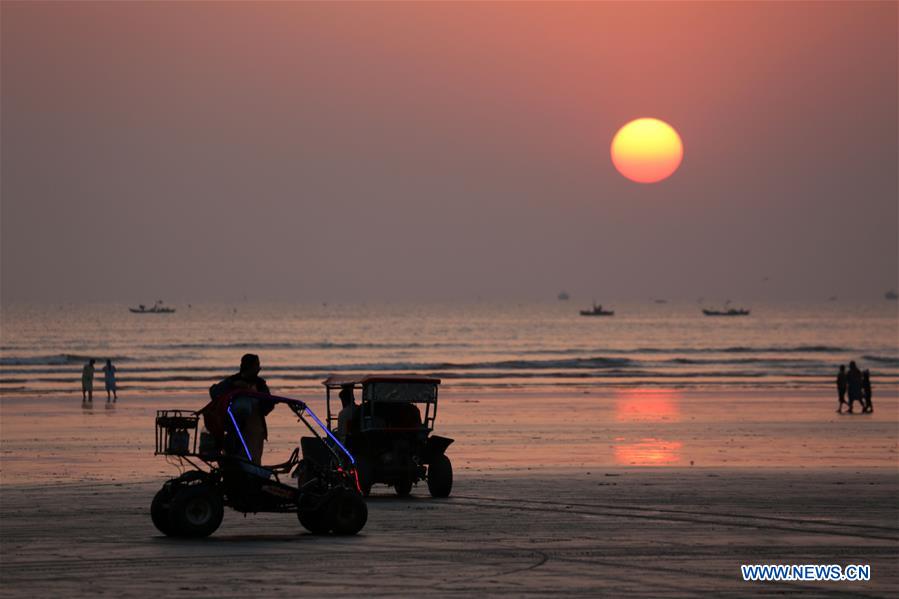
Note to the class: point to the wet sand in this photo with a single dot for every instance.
(639, 532)
(574, 494)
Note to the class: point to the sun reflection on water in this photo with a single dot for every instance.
(655, 407)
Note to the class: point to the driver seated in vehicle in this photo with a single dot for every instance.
(347, 419)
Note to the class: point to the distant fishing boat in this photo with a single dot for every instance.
(563, 296)
(891, 295)
(157, 308)
(728, 312)
(597, 311)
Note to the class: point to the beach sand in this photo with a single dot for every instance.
(569, 493)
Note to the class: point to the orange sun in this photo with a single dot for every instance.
(647, 150)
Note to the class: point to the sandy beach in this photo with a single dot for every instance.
(577, 493)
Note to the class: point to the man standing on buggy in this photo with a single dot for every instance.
(250, 412)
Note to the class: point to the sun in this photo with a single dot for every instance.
(647, 150)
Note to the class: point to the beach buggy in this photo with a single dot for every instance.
(325, 495)
(389, 433)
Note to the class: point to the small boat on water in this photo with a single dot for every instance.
(728, 312)
(157, 308)
(597, 311)
(563, 296)
(891, 295)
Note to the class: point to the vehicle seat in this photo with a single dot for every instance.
(315, 451)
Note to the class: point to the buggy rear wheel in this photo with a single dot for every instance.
(159, 511)
(319, 521)
(440, 476)
(350, 513)
(196, 511)
(314, 511)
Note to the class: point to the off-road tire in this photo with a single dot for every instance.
(196, 511)
(403, 487)
(440, 476)
(318, 522)
(159, 511)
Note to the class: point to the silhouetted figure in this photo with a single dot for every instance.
(854, 384)
(109, 375)
(346, 419)
(841, 388)
(866, 391)
(249, 412)
(87, 382)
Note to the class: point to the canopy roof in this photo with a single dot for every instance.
(364, 379)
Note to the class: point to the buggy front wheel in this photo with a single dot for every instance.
(440, 476)
(196, 511)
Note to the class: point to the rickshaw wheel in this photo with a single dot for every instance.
(403, 487)
(350, 513)
(159, 511)
(440, 476)
(196, 511)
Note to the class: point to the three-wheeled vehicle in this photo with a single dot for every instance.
(389, 432)
(326, 496)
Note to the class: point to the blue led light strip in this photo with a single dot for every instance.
(237, 428)
(333, 438)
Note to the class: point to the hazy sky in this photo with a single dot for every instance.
(369, 151)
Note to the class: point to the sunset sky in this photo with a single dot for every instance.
(389, 151)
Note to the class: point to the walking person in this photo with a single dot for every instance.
(854, 385)
(841, 388)
(87, 382)
(109, 374)
(866, 391)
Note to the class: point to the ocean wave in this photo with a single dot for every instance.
(889, 360)
(482, 375)
(71, 365)
(322, 345)
(577, 363)
(57, 360)
(738, 349)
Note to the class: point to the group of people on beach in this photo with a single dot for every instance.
(87, 382)
(857, 385)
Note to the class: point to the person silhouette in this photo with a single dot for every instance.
(250, 412)
(87, 382)
(109, 375)
(349, 413)
(854, 384)
(841, 388)
(866, 391)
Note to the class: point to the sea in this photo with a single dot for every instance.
(479, 345)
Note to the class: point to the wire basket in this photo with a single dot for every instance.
(176, 432)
